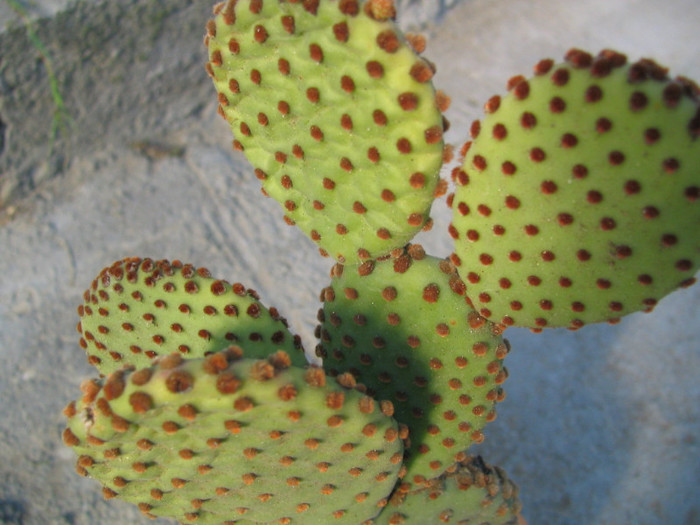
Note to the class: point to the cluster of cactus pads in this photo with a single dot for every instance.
(575, 201)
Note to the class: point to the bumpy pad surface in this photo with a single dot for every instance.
(473, 494)
(138, 309)
(578, 198)
(402, 327)
(336, 113)
(219, 439)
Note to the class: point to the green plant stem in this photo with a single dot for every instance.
(61, 118)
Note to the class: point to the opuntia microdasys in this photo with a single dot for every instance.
(338, 115)
(578, 198)
(223, 438)
(137, 309)
(402, 327)
(471, 493)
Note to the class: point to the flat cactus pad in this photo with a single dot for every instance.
(337, 114)
(402, 327)
(224, 438)
(137, 309)
(578, 198)
(473, 493)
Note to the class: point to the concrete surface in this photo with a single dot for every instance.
(600, 426)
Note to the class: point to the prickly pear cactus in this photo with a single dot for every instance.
(576, 203)
(338, 115)
(473, 493)
(402, 327)
(225, 438)
(578, 198)
(137, 309)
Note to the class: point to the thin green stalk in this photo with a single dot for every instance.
(61, 118)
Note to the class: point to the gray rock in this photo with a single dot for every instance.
(76, 73)
(105, 71)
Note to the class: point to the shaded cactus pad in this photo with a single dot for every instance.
(224, 438)
(137, 309)
(337, 114)
(402, 327)
(578, 198)
(473, 493)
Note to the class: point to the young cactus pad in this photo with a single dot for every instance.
(337, 114)
(578, 198)
(474, 493)
(224, 438)
(402, 327)
(137, 309)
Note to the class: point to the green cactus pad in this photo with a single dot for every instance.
(337, 114)
(402, 327)
(137, 309)
(225, 438)
(578, 198)
(473, 494)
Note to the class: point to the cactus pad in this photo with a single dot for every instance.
(474, 493)
(337, 114)
(402, 327)
(224, 438)
(137, 309)
(578, 198)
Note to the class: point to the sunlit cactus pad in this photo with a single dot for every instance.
(474, 493)
(224, 438)
(402, 327)
(336, 112)
(578, 198)
(137, 309)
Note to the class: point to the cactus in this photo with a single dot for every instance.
(473, 493)
(224, 437)
(577, 200)
(336, 112)
(137, 309)
(402, 328)
(576, 203)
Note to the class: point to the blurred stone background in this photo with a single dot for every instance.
(110, 147)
